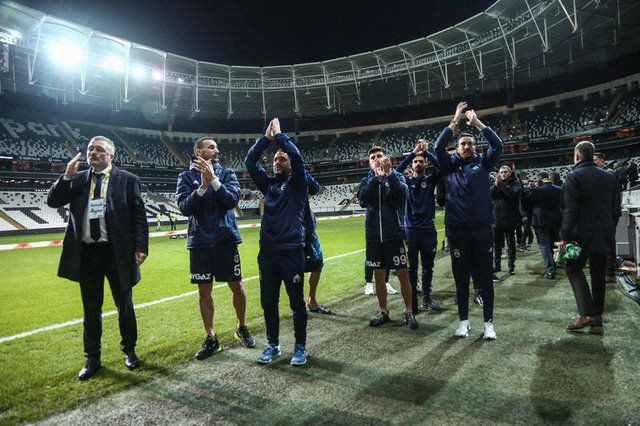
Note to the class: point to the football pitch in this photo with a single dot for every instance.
(536, 372)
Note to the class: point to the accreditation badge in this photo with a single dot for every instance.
(96, 208)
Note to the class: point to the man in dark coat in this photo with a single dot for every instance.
(506, 206)
(600, 160)
(107, 235)
(632, 173)
(590, 206)
(621, 171)
(544, 202)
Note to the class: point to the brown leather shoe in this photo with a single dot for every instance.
(583, 321)
(597, 321)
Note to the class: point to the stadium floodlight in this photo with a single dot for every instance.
(113, 63)
(138, 71)
(66, 53)
(180, 80)
(157, 75)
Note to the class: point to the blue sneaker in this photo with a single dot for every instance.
(299, 355)
(269, 354)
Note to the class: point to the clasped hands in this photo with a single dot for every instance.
(382, 167)
(206, 171)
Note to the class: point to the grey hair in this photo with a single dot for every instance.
(585, 150)
(111, 147)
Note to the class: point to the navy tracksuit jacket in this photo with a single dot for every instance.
(282, 235)
(469, 216)
(212, 221)
(384, 200)
(419, 221)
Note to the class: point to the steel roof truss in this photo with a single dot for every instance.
(544, 38)
(574, 21)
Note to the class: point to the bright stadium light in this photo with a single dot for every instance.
(113, 63)
(157, 75)
(138, 71)
(66, 53)
(180, 80)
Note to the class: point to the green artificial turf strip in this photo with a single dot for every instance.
(535, 372)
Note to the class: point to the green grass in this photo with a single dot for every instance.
(535, 372)
(31, 238)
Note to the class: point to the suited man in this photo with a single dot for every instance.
(505, 193)
(543, 203)
(621, 171)
(590, 206)
(632, 173)
(107, 235)
(600, 160)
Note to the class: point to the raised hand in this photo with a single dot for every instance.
(269, 132)
(471, 117)
(275, 126)
(73, 166)
(206, 171)
(386, 165)
(459, 110)
(420, 147)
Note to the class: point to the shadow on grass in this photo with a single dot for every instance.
(219, 398)
(572, 374)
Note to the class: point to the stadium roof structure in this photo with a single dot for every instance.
(511, 42)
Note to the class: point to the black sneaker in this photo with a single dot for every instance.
(209, 347)
(410, 321)
(381, 318)
(512, 271)
(245, 337)
(428, 304)
(495, 278)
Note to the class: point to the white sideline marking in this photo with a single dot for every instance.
(138, 306)
(58, 243)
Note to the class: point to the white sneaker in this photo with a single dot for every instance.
(391, 290)
(463, 329)
(369, 289)
(489, 333)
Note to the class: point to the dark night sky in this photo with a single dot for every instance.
(280, 32)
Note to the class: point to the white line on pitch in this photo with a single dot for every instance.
(139, 306)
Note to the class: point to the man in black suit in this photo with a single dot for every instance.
(505, 193)
(543, 202)
(107, 235)
(621, 171)
(632, 173)
(601, 161)
(590, 206)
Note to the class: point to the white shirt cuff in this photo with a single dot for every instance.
(216, 183)
(200, 192)
(64, 177)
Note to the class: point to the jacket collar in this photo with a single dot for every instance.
(281, 177)
(216, 166)
(586, 163)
